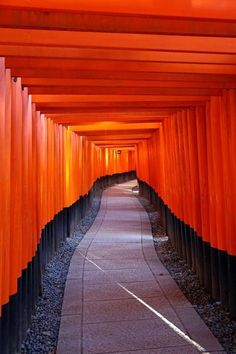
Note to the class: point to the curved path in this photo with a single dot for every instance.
(119, 298)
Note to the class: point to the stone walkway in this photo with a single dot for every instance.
(119, 298)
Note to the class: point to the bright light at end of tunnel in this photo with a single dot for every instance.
(102, 126)
(106, 157)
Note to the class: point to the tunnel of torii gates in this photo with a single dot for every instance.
(92, 91)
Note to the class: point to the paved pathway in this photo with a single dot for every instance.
(119, 298)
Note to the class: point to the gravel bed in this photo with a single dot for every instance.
(211, 311)
(43, 332)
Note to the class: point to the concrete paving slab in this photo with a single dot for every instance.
(144, 289)
(110, 291)
(123, 275)
(179, 350)
(83, 250)
(128, 335)
(75, 271)
(157, 267)
(72, 304)
(70, 335)
(116, 264)
(116, 239)
(94, 292)
(198, 329)
(115, 310)
(119, 298)
(118, 254)
(85, 242)
(96, 277)
(146, 231)
(172, 291)
(110, 246)
(77, 259)
(120, 234)
(130, 309)
(149, 253)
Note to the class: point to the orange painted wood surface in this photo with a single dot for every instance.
(196, 160)
(45, 167)
(80, 80)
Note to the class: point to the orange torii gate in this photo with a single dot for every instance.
(80, 80)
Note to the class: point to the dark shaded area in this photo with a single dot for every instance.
(17, 313)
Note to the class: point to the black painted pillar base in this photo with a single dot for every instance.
(206, 266)
(232, 285)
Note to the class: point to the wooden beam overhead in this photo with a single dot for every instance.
(67, 39)
(128, 119)
(111, 137)
(124, 91)
(91, 132)
(60, 109)
(85, 83)
(110, 99)
(206, 9)
(111, 126)
(120, 75)
(108, 68)
(114, 23)
(54, 52)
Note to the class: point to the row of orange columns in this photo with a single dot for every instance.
(44, 167)
(190, 162)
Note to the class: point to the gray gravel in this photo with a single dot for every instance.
(43, 333)
(212, 313)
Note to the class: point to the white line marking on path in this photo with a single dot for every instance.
(158, 314)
